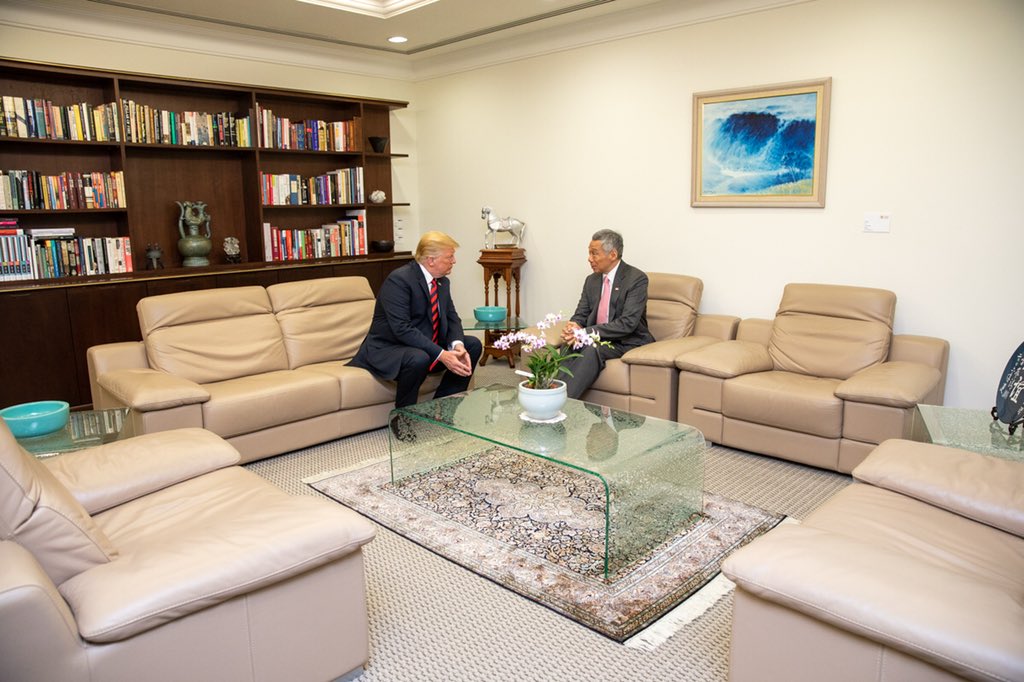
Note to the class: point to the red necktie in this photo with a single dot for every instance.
(435, 315)
(606, 297)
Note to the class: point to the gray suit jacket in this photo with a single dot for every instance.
(627, 312)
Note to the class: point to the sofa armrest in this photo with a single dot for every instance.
(887, 596)
(726, 359)
(664, 353)
(147, 390)
(32, 611)
(927, 350)
(722, 327)
(987, 489)
(896, 384)
(108, 475)
(755, 330)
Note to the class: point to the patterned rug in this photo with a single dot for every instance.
(538, 529)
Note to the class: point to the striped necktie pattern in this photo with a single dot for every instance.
(435, 315)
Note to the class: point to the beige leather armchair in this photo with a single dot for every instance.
(821, 384)
(155, 558)
(644, 380)
(913, 573)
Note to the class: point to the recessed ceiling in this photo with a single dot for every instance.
(369, 23)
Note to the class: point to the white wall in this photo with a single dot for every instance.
(925, 123)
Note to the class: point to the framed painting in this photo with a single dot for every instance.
(761, 146)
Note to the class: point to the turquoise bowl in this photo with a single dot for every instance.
(36, 419)
(490, 313)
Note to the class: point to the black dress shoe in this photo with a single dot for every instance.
(402, 429)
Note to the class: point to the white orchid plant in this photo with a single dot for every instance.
(546, 361)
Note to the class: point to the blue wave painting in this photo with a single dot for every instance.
(759, 146)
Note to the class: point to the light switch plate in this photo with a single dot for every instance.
(877, 222)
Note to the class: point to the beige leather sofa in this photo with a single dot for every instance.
(644, 380)
(913, 573)
(821, 384)
(154, 558)
(264, 368)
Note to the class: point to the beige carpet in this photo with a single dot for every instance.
(433, 620)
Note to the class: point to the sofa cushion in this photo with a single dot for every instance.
(249, 404)
(672, 304)
(212, 335)
(785, 400)
(987, 489)
(614, 378)
(322, 319)
(901, 572)
(202, 542)
(40, 514)
(831, 331)
(359, 388)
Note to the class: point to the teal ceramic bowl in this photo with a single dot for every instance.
(489, 313)
(36, 419)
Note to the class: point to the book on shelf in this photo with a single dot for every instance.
(337, 187)
(146, 124)
(344, 237)
(24, 189)
(40, 118)
(280, 132)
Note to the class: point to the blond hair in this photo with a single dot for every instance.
(432, 244)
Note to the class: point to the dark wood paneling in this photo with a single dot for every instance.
(102, 314)
(371, 271)
(157, 287)
(37, 348)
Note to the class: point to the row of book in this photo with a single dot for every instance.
(149, 125)
(344, 237)
(25, 189)
(47, 253)
(280, 132)
(340, 186)
(41, 118)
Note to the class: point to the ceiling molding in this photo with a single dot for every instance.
(107, 23)
(654, 18)
(111, 23)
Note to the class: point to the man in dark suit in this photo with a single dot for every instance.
(613, 304)
(403, 343)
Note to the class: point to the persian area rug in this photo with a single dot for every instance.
(538, 529)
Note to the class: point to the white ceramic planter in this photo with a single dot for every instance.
(542, 404)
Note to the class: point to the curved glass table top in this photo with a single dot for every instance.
(651, 470)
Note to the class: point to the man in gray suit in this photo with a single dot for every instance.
(613, 304)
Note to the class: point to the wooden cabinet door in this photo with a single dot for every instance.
(37, 344)
(101, 314)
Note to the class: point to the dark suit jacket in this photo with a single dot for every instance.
(401, 318)
(627, 312)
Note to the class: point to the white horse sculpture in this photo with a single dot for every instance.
(513, 226)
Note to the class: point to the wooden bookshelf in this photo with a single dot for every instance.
(158, 173)
(52, 322)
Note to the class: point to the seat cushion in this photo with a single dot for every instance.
(785, 400)
(359, 388)
(252, 403)
(42, 516)
(614, 378)
(202, 542)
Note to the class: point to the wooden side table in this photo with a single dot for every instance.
(502, 264)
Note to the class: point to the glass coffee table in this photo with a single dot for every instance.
(85, 429)
(650, 472)
(967, 429)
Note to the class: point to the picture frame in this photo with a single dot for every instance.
(761, 146)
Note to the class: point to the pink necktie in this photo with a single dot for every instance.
(606, 297)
